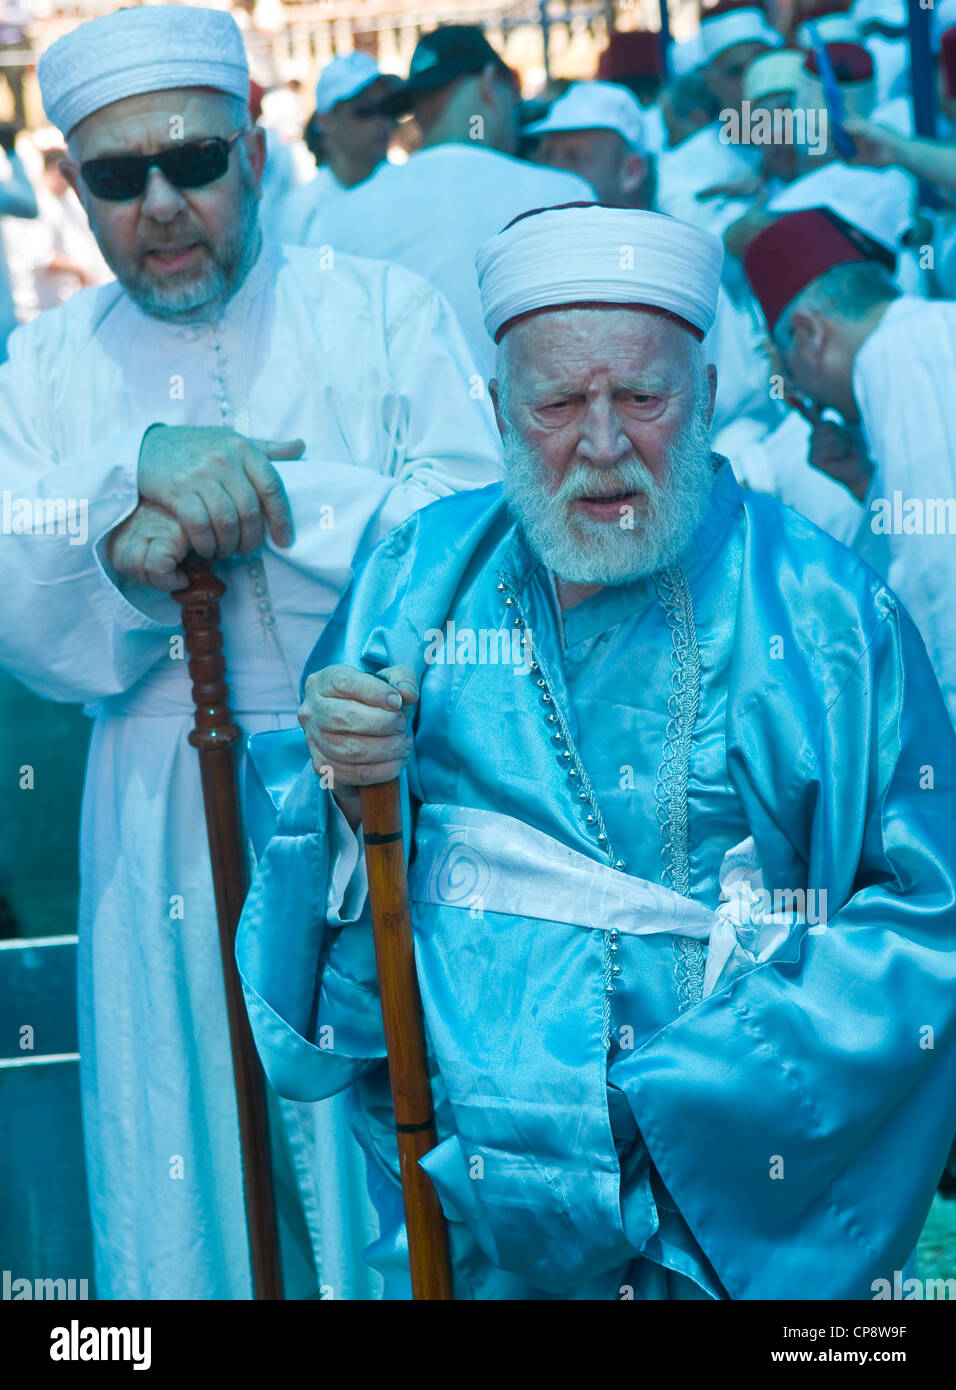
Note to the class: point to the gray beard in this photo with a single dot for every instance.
(202, 298)
(582, 550)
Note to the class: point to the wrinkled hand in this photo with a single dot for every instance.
(876, 145)
(837, 450)
(149, 547)
(220, 486)
(355, 727)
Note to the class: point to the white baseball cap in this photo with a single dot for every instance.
(595, 106)
(343, 79)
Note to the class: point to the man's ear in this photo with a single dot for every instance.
(255, 143)
(809, 332)
(486, 83)
(71, 172)
(633, 173)
(493, 393)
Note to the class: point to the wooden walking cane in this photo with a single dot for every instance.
(404, 1038)
(215, 736)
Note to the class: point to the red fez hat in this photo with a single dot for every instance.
(256, 93)
(947, 56)
(851, 62)
(631, 53)
(794, 251)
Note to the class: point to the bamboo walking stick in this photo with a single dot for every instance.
(215, 736)
(404, 1038)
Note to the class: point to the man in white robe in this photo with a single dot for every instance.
(432, 213)
(729, 40)
(355, 139)
(887, 362)
(140, 420)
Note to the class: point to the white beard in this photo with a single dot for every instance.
(583, 550)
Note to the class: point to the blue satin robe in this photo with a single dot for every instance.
(782, 1137)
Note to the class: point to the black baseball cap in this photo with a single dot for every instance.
(454, 50)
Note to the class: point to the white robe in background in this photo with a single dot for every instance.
(904, 382)
(433, 212)
(779, 464)
(700, 162)
(303, 204)
(366, 364)
(743, 408)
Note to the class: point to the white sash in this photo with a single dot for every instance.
(489, 862)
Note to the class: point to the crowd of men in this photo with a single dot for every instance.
(551, 366)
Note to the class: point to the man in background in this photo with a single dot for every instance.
(432, 213)
(355, 133)
(56, 255)
(633, 59)
(848, 340)
(17, 199)
(596, 130)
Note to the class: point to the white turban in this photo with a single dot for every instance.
(736, 26)
(149, 49)
(598, 255)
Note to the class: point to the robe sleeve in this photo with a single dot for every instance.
(302, 971)
(909, 420)
(304, 945)
(309, 982)
(71, 632)
(801, 1116)
(439, 432)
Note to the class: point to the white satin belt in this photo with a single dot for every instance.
(483, 861)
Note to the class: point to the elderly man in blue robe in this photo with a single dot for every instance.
(680, 812)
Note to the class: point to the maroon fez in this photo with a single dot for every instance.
(851, 62)
(794, 251)
(947, 56)
(631, 53)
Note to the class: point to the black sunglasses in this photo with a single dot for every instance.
(121, 177)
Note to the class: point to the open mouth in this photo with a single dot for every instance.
(167, 259)
(605, 505)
